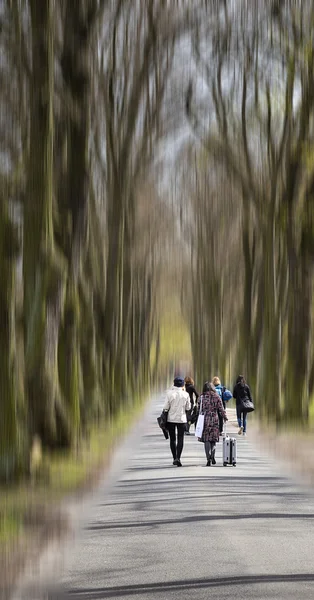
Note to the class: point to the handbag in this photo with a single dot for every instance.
(200, 424)
(162, 422)
(246, 405)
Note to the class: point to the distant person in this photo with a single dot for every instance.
(241, 392)
(220, 390)
(210, 404)
(176, 405)
(191, 390)
(177, 370)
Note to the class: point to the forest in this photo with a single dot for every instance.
(156, 204)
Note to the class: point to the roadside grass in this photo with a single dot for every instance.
(311, 414)
(65, 473)
(9, 527)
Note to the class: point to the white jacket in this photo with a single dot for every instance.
(177, 402)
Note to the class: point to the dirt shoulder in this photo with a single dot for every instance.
(41, 525)
(293, 448)
(40, 516)
(44, 520)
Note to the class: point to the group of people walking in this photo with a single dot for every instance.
(183, 405)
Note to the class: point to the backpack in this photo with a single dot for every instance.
(226, 395)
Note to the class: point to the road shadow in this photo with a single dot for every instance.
(181, 585)
(293, 496)
(198, 519)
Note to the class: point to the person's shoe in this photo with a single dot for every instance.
(209, 462)
(240, 431)
(244, 433)
(187, 433)
(175, 462)
(179, 463)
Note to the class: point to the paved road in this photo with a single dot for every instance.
(160, 532)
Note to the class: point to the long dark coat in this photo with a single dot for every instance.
(211, 406)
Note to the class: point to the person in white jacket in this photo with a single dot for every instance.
(176, 404)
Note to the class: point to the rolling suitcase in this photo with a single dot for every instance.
(229, 451)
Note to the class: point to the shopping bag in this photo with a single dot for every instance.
(199, 424)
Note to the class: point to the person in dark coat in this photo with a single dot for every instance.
(210, 404)
(241, 392)
(191, 390)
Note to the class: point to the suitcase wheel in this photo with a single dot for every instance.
(234, 464)
(225, 464)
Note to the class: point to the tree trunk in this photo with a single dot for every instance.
(299, 337)
(76, 70)
(43, 268)
(9, 447)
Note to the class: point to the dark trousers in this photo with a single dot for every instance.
(189, 419)
(176, 445)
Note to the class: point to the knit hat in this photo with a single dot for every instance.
(178, 381)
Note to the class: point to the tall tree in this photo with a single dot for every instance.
(43, 264)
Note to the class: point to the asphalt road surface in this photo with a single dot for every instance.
(155, 531)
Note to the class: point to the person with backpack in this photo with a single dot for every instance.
(191, 390)
(220, 391)
(176, 406)
(241, 393)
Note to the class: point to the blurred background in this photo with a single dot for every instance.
(156, 214)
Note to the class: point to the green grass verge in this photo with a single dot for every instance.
(9, 527)
(311, 414)
(67, 472)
